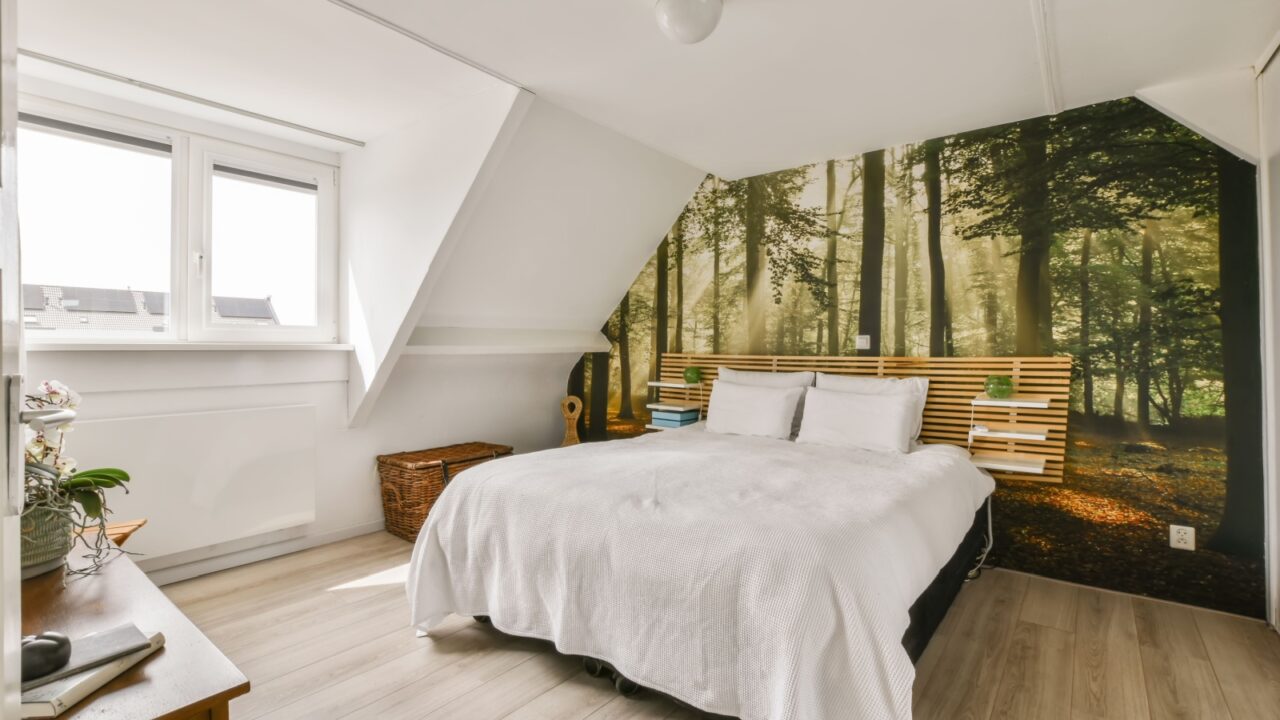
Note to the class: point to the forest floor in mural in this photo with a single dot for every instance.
(1107, 525)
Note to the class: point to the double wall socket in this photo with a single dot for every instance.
(1182, 537)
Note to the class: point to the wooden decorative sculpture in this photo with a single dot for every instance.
(571, 408)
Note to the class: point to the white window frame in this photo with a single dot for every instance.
(190, 297)
(204, 154)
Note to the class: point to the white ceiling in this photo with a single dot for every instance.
(305, 61)
(784, 82)
(780, 83)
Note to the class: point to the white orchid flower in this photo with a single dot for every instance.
(65, 465)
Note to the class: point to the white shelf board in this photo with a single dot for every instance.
(674, 407)
(674, 385)
(503, 341)
(1013, 401)
(1011, 432)
(1006, 463)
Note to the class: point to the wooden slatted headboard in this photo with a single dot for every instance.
(948, 412)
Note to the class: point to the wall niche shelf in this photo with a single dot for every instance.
(1013, 401)
(680, 405)
(1012, 430)
(1009, 463)
(1009, 431)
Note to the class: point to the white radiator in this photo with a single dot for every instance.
(206, 477)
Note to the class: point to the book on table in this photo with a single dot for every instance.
(683, 417)
(658, 422)
(54, 698)
(95, 649)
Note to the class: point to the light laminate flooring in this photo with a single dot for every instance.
(323, 634)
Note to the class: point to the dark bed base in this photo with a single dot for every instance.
(933, 603)
(926, 614)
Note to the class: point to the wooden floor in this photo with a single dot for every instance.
(323, 634)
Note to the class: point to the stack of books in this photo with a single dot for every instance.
(674, 415)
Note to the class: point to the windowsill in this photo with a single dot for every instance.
(174, 345)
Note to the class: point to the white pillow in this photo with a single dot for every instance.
(773, 380)
(748, 410)
(916, 386)
(853, 420)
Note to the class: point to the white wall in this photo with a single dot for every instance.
(561, 231)
(1221, 106)
(1269, 134)
(428, 401)
(402, 196)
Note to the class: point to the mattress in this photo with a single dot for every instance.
(759, 578)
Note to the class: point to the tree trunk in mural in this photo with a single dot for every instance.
(871, 285)
(598, 412)
(937, 267)
(1117, 404)
(830, 271)
(717, 249)
(715, 294)
(577, 386)
(1086, 352)
(901, 240)
(753, 242)
(991, 300)
(660, 294)
(1143, 370)
(625, 411)
(1241, 530)
(677, 241)
(1032, 324)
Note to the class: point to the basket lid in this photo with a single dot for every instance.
(462, 452)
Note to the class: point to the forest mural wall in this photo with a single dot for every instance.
(1111, 233)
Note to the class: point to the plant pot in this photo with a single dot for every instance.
(46, 540)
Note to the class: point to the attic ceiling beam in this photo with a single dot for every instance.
(150, 87)
(384, 22)
(1269, 54)
(1048, 56)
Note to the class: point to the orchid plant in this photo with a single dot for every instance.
(54, 482)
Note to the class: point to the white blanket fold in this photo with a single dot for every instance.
(749, 577)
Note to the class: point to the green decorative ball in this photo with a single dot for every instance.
(693, 374)
(999, 386)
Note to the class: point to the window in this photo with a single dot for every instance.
(131, 231)
(264, 241)
(97, 230)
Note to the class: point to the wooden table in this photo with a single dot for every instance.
(187, 679)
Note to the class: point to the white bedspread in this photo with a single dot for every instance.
(751, 577)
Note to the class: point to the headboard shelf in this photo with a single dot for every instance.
(951, 409)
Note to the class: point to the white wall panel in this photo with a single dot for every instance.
(205, 478)
(1269, 176)
(428, 401)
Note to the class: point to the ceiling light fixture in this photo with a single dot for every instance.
(688, 21)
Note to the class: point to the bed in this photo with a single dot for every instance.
(752, 577)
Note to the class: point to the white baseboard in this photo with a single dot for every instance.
(176, 568)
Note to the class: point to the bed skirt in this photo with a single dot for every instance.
(931, 607)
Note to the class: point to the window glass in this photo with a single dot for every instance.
(96, 230)
(263, 249)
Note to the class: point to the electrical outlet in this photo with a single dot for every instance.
(863, 342)
(1182, 537)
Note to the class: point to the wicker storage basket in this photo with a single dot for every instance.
(411, 481)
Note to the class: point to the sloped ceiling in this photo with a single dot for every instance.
(570, 218)
(308, 62)
(781, 84)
